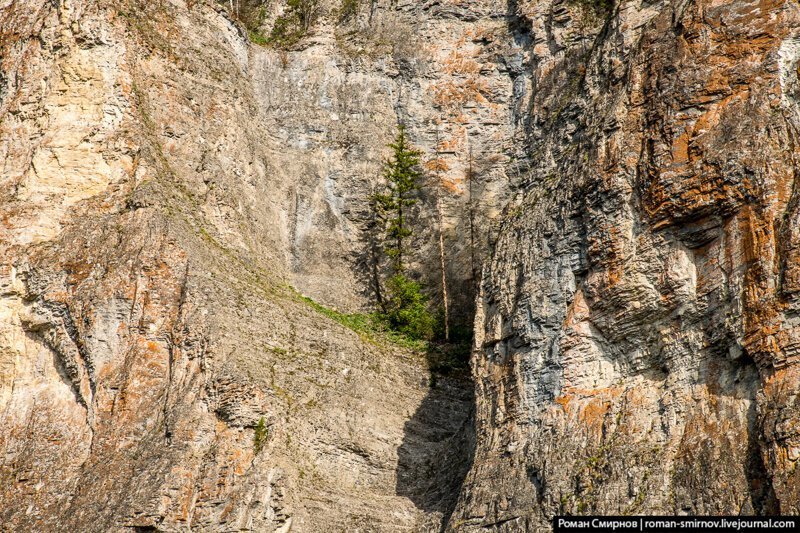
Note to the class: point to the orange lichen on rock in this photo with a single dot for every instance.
(588, 408)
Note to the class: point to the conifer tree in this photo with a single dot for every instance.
(402, 176)
(404, 307)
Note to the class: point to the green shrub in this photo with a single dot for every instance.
(599, 7)
(260, 435)
(256, 37)
(252, 14)
(373, 326)
(406, 308)
(294, 24)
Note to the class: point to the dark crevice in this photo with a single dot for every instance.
(438, 447)
(759, 482)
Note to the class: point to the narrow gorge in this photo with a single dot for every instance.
(188, 263)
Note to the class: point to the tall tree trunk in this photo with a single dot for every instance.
(471, 215)
(442, 261)
(375, 257)
(399, 234)
(444, 270)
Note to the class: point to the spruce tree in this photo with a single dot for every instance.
(404, 308)
(402, 176)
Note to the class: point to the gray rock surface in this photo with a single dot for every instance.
(636, 320)
(620, 174)
(159, 200)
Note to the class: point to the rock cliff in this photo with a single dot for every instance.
(637, 341)
(179, 205)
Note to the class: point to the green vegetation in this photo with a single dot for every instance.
(288, 29)
(252, 14)
(256, 37)
(597, 9)
(260, 435)
(295, 23)
(372, 326)
(444, 358)
(402, 175)
(406, 309)
(403, 316)
(360, 323)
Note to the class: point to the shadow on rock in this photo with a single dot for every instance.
(439, 443)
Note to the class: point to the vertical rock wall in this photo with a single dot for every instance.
(636, 334)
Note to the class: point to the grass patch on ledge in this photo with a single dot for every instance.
(256, 37)
(367, 325)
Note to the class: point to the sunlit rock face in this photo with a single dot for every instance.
(637, 322)
(617, 175)
(168, 190)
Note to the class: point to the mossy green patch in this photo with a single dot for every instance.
(369, 326)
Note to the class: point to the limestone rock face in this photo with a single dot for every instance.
(637, 332)
(618, 174)
(157, 369)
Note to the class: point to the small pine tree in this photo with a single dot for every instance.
(402, 175)
(404, 306)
